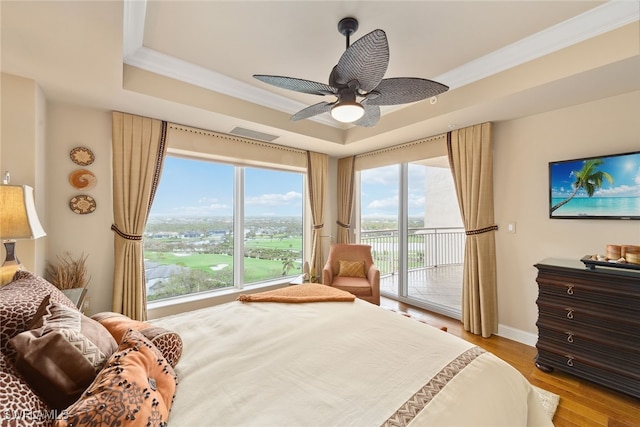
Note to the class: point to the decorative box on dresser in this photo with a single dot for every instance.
(589, 323)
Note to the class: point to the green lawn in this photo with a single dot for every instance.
(255, 269)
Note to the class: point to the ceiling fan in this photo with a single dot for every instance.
(357, 82)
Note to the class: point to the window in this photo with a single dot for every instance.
(214, 225)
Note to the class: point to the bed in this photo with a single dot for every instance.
(318, 360)
(338, 363)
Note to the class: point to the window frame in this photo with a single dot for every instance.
(223, 294)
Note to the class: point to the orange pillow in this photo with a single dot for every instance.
(351, 269)
(168, 342)
(135, 388)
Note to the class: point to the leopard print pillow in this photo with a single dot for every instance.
(19, 301)
(19, 405)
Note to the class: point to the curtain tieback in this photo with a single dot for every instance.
(125, 235)
(318, 227)
(481, 230)
(342, 225)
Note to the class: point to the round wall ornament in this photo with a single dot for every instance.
(82, 204)
(82, 179)
(82, 156)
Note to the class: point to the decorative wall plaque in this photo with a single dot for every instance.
(82, 156)
(82, 179)
(82, 204)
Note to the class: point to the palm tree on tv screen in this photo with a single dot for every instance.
(588, 178)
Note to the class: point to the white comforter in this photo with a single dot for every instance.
(336, 364)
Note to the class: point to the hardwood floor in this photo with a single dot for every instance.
(582, 403)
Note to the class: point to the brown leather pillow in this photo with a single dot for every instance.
(135, 388)
(168, 342)
(351, 269)
(62, 353)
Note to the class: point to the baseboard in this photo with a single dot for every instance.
(517, 335)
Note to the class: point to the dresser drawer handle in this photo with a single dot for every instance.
(569, 360)
(569, 313)
(569, 336)
(570, 289)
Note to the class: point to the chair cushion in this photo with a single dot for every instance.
(351, 269)
(354, 285)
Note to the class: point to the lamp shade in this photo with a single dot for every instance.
(18, 216)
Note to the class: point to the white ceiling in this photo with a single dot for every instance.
(191, 62)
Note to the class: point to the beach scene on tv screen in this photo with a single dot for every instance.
(607, 186)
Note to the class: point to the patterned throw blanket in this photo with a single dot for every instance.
(307, 292)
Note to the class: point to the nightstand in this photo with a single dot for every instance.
(76, 295)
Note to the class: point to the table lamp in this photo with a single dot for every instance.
(18, 220)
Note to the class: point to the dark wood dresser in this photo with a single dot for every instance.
(589, 323)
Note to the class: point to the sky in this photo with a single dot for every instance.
(625, 171)
(203, 188)
(190, 187)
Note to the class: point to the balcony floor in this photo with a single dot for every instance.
(440, 285)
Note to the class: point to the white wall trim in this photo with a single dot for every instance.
(517, 335)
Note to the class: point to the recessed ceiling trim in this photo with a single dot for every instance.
(596, 21)
(591, 23)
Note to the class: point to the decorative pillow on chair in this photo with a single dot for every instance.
(351, 269)
(135, 388)
(19, 301)
(62, 353)
(168, 342)
(19, 405)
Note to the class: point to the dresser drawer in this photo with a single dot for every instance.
(574, 316)
(612, 338)
(606, 353)
(621, 381)
(601, 294)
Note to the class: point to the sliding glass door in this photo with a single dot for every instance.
(409, 215)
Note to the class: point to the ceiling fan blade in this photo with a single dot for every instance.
(403, 90)
(313, 110)
(371, 116)
(366, 61)
(298, 85)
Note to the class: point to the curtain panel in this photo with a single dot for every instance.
(346, 174)
(471, 160)
(317, 172)
(139, 147)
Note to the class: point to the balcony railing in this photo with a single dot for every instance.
(427, 247)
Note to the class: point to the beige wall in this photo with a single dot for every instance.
(523, 148)
(22, 154)
(522, 151)
(90, 234)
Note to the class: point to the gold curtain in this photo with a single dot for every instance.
(471, 161)
(138, 154)
(317, 172)
(346, 172)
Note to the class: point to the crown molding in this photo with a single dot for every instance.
(596, 21)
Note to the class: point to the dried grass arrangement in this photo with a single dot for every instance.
(68, 273)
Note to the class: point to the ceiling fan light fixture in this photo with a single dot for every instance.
(347, 111)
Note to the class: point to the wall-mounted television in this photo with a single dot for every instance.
(601, 187)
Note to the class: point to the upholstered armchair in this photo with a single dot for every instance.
(350, 267)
